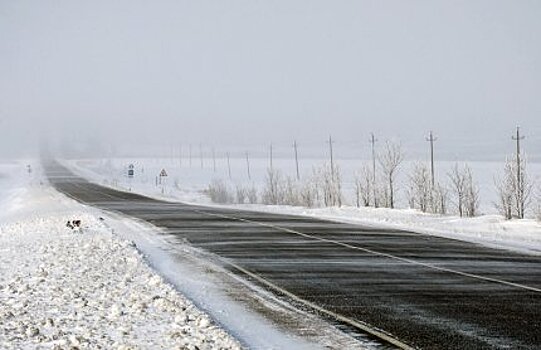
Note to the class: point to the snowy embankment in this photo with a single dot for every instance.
(187, 185)
(87, 288)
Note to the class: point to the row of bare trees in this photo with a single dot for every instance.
(422, 194)
(456, 193)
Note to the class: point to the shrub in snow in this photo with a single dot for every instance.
(291, 192)
(251, 195)
(329, 182)
(242, 194)
(307, 195)
(273, 192)
(364, 187)
(219, 192)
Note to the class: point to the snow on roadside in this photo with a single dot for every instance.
(61, 288)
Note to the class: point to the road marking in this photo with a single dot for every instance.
(374, 252)
(391, 339)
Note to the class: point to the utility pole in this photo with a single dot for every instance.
(270, 153)
(331, 155)
(518, 138)
(373, 141)
(190, 155)
(228, 165)
(213, 159)
(201, 155)
(432, 139)
(248, 166)
(296, 159)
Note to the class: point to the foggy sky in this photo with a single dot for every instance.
(247, 73)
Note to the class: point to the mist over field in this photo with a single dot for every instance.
(129, 78)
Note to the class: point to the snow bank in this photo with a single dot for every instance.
(87, 288)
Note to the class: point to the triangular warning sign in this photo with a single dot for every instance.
(163, 173)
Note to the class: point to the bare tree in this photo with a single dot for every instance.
(439, 199)
(420, 189)
(465, 190)
(364, 187)
(331, 185)
(273, 190)
(390, 160)
(471, 199)
(514, 189)
(291, 192)
(242, 194)
(458, 183)
(308, 194)
(523, 188)
(505, 186)
(251, 194)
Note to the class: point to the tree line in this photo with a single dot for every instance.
(375, 185)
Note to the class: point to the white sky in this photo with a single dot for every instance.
(250, 72)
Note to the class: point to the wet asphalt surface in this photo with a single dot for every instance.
(389, 279)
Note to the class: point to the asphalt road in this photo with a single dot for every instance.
(427, 292)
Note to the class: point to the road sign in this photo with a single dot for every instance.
(131, 170)
(163, 173)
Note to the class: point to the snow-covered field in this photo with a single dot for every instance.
(187, 184)
(62, 288)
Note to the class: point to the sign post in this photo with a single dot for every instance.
(131, 173)
(163, 176)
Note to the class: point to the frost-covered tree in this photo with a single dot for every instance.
(251, 195)
(439, 199)
(364, 187)
(424, 196)
(465, 192)
(331, 185)
(291, 192)
(471, 199)
(505, 189)
(419, 187)
(308, 194)
(273, 190)
(514, 189)
(242, 194)
(390, 160)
